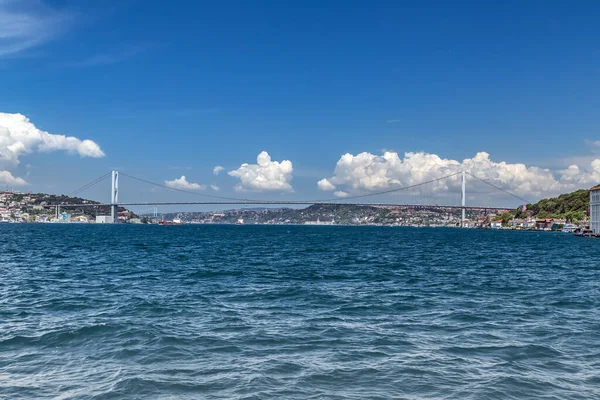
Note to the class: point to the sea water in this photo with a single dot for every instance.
(297, 312)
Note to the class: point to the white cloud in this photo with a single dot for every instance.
(265, 175)
(182, 183)
(217, 170)
(339, 193)
(325, 185)
(6, 178)
(366, 172)
(18, 136)
(215, 188)
(26, 24)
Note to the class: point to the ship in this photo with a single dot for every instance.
(176, 221)
(240, 221)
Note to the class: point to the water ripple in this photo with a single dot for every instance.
(251, 312)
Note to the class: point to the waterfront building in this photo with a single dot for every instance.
(82, 219)
(544, 224)
(104, 219)
(595, 209)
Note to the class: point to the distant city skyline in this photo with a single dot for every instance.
(301, 100)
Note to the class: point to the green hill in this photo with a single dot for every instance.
(572, 206)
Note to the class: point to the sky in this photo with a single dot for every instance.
(301, 99)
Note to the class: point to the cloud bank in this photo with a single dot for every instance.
(265, 175)
(182, 183)
(367, 172)
(18, 137)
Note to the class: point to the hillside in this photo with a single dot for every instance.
(28, 207)
(343, 214)
(572, 206)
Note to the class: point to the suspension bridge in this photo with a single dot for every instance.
(215, 200)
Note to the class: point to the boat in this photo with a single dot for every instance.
(569, 228)
(583, 232)
(176, 221)
(240, 221)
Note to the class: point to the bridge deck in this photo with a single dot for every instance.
(263, 203)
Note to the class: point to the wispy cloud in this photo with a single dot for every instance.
(582, 158)
(191, 112)
(109, 58)
(594, 145)
(27, 24)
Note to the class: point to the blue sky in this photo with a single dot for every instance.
(172, 90)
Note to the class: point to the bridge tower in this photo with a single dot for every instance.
(114, 197)
(463, 198)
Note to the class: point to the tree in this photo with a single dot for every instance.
(505, 217)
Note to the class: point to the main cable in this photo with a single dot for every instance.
(89, 185)
(185, 191)
(499, 188)
(390, 190)
(332, 200)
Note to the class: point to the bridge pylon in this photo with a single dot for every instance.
(463, 198)
(114, 197)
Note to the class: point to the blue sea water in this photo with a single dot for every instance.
(297, 312)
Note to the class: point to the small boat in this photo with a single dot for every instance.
(240, 221)
(583, 232)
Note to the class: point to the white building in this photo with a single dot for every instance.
(104, 219)
(496, 225)
(595, 209)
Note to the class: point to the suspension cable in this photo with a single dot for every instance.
(183, 190)
(332, 200)
(390, 190)
(499, 188)
(89, 185)
(337, 199)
